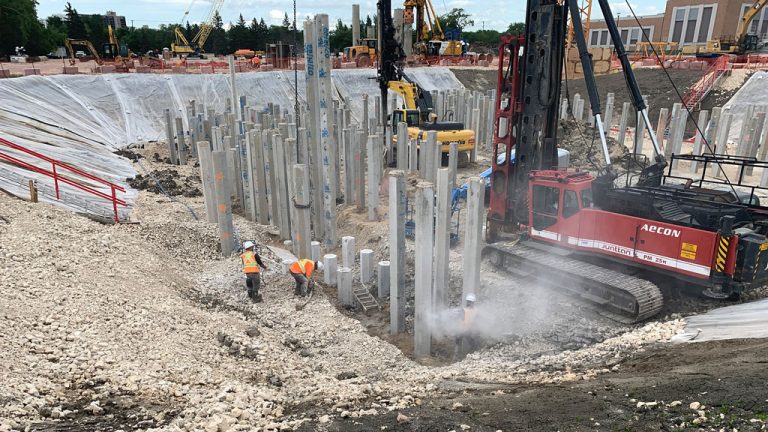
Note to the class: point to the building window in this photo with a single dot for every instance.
(630, 36)
(759, 24)
(599, 38)
(604, 38)
(690, 27)
(706, 19)
(692, 24)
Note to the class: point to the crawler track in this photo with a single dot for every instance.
(622, 297)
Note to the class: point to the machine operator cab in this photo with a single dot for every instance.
(557, 198)
(411, 117)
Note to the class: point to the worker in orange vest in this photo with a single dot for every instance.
(256, 61)
(464, 339)
(252, 266)
(302, 272)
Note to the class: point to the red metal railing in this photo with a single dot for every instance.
(707, 82)
(703, 86)
(58, 178)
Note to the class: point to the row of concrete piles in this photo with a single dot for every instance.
(432, 201)
(287, 173)
(710, 135)
(291, 172)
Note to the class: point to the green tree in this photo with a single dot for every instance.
(238, 35)
(457, 18)
(96, 31)
(55, 23)
(75, 25)
(258, 34)
(516, 28)
(19, 24)
(42, 40)
(485, 38)
(340, 37)
(217, 41)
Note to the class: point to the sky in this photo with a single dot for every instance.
(488, 14)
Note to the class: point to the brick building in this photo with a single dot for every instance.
(113, 19)
(688, 23)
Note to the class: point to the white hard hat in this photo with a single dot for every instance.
(248, 245)
(471, 298)
(320, 265)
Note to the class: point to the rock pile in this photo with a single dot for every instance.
(117, 326)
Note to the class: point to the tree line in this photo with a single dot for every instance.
(20, 26)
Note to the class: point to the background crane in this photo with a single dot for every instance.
(181, 46)
(430, 37)
(585, 10)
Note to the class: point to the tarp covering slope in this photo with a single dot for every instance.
(743, 321)
(82, 119)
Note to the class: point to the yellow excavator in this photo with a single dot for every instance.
(742, 42)
(418, 113)
(112, 52)
(417, 110)
(71, 43)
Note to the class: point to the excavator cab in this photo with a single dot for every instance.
(411, 117)
(110, 51)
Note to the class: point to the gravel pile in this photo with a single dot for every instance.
(144, 326)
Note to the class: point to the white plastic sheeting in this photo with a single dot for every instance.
(754, 92)
(82, 119)
(748, 320)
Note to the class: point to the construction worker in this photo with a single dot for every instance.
(464, 338)
(252, 266)
(256, 62)
(302, 271)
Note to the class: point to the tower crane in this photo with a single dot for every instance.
(585, 12)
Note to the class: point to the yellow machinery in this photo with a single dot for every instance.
(182, 47)
(417, 113)
(743, 41)
(430, 37)
(113, 50)
(71, 43)
(363, 54)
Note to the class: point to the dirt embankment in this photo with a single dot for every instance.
(653, 83)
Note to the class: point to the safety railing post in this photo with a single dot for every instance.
(114, 203)
(55, 179)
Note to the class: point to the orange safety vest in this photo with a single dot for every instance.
(304, 266)
(249, 262)
(469, 317)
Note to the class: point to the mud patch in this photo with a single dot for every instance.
(167, 181)
(119, 411)
(583, 142)
(128, 153)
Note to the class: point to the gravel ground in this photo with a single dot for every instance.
(143, 326)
